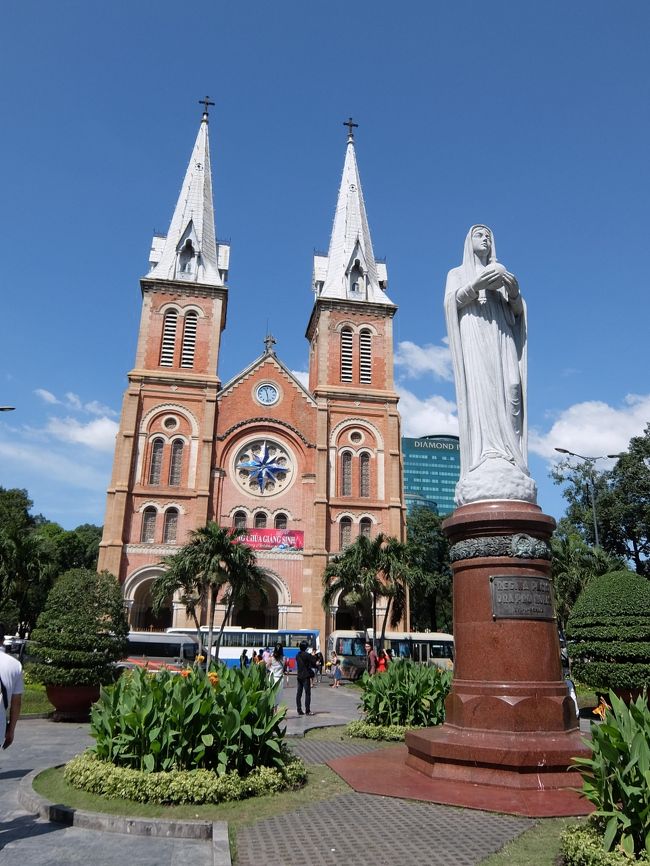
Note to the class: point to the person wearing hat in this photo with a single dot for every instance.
(11, 685)
(304, 673)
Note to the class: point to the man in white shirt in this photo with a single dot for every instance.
(11, 686)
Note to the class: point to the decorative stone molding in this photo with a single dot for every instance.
(520, 546)
(263, 420)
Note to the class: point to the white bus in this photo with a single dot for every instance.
(426, 647)
(235, 640)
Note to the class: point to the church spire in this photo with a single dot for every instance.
(350, 271)
(190, 251)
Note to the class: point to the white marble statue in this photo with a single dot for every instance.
(486, 322)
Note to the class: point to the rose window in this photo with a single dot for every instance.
(263, 467)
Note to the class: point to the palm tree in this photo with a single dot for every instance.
(214, 558)
(370, 568)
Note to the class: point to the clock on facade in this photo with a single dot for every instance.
(267, 394)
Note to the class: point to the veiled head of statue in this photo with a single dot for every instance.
(479, 249)
(481, 240)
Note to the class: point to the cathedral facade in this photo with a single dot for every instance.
(303, 469)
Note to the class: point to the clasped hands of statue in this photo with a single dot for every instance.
(495, 276)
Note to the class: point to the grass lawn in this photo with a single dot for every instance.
(322, 784)
(35, 700)
(537, 847)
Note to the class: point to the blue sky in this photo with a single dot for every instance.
(530, 118)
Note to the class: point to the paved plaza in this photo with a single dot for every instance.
(349, 828)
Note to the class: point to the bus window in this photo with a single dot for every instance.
(350, 646)
(401, 649)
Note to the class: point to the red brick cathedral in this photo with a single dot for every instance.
(304, 469)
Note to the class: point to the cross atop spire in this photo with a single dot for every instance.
(351, 125)
(205, 103)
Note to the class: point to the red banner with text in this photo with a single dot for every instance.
(281, 540)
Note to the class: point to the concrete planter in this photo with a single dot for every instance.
(72, 703)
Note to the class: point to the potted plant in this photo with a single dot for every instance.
(79, 636)
(609, 634)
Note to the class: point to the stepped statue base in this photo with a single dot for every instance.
(510, 722)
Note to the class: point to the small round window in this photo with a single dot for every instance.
(170, 423)
(356, 436)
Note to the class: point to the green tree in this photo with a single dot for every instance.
(574, 565)
(368, 569)
(431, 587)
(214, 560)
(621, 498)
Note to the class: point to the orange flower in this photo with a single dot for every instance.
(214, 679)
(200, 659)
(602, 708)
(185, 673)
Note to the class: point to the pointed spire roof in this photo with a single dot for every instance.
(189, 251)
(350, 271)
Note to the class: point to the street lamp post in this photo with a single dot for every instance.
(592, 486)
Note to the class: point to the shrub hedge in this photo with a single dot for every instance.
(88, 773)
(81, 631)
(407, 694)
(366, 731)
(582, 846)
(609, 632)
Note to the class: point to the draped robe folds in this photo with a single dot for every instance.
(487, 338)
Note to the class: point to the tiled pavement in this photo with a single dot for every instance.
(359, 828)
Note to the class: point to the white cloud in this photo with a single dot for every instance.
(98, 434)
(73, 401)
(417, 361)
(302, 376)
(593, 428)
(427, 416)
(46, 396)
(96, 408)
(69, 472)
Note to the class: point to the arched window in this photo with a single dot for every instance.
(189, 339)
(365, 526)
(356, 278)
(148, 531)
(364, 475)
(168, 339)
(170, 526)
(155, 463)
(186, 257)
(346, 355)
(346, 474)
(239, 520)
(260, 520)
(280, 521)
(176, 463)
(345, 532)
(365, 356)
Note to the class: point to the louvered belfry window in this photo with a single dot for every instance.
(148, 533)
(345, 532)
(189, 339)
(168, 339)
(346, 355)
(176, 463)
(346, 474)
(365, 356)
(364, 475)
(155, 464)
(170, 528)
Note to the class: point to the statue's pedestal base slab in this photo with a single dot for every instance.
(510, 723)
(386, 773)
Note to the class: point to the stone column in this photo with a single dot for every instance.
(510, 723)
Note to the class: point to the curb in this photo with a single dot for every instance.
(214, 831)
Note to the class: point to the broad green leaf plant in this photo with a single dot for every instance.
(407, 694)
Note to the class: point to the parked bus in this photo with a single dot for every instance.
(431, 648)
(235, 640)
(156, 650)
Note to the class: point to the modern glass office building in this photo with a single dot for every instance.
(431, 472)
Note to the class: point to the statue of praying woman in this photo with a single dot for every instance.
(486, 323)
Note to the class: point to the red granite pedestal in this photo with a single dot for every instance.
(510, 723)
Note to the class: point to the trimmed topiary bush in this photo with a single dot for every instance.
(81, 631)
(609, 632)
(88, 773)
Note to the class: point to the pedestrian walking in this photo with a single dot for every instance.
(244, 661)
(275, 667)
(371, 659)
(11, 686)
(383, 660)
(304, 668)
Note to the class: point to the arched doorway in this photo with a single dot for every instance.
(142, 616)
(353, 614)
(256, 611)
